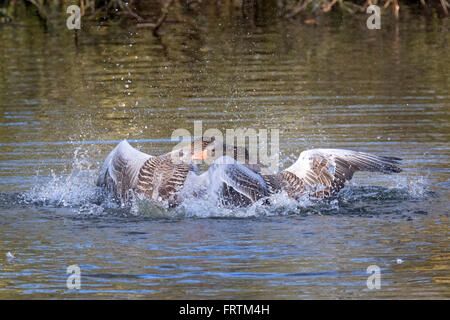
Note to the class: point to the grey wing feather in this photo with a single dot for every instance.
(238, 177)
(121, 168)
(330, 168)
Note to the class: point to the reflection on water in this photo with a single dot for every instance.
(64, 107)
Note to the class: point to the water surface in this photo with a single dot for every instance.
(65, 104)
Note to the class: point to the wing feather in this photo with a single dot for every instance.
(324, 171)
(238, 178)
(160, 178)
(121, 168)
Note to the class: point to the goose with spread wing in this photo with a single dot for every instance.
(127, 170)
(317, 173)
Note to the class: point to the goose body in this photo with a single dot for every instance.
(127, 170)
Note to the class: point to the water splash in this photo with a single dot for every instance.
(416, 186)
(205, 207)
(75, 188)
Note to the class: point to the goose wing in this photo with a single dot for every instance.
(121, 168)
(160, 178)
(326, 170)
(238, 181)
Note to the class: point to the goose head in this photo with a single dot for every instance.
(229, 154)
(216, 148)
(189, 153)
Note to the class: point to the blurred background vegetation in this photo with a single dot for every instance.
(153, 14)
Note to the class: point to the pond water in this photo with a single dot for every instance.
(66, 102)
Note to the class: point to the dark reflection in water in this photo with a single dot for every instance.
(63, 107)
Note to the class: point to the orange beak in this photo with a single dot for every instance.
(203, 155)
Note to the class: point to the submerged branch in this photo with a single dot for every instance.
(163, 17)
(445, 6)
(328, 6)
(40, 8)
(127, 9)
(395, 7)
(298, 8)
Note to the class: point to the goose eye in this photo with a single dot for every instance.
(180, 153)
(213, 152)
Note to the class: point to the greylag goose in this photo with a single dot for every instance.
(317, 173)
(128, 170)
(160, 178)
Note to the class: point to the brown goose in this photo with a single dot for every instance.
(318, 173)
(158, 177)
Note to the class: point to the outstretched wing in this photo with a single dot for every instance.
(121, 168)
(160, 178)
(240, 184)
(325, 171)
